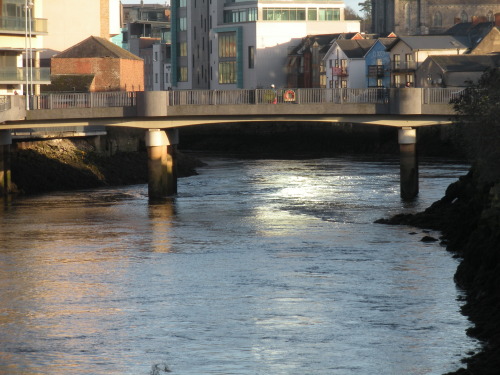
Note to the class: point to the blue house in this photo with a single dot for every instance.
(378, 63)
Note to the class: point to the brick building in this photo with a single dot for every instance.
(100, 63)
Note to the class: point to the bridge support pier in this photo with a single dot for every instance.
(162, 165)
(5, 179)
(407, 138)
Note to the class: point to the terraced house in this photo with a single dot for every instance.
(229, 44)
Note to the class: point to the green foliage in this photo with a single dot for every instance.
(478, 110)
(366, 8)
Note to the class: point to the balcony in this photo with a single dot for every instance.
(16, 76)
(17, 25)
(340, 71)
(375, 71)
(404, 66)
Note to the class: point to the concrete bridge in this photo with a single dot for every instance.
(161, 113)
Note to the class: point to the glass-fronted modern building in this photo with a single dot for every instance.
(228, 44)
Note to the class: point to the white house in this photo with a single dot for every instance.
(345, 63)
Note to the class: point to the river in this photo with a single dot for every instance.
(271, 267)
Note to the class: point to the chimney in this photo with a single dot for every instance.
(497, 20)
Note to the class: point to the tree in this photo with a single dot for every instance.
(478, 110)
(366, 9)
(350, 14)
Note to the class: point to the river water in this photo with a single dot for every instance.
(257, 267)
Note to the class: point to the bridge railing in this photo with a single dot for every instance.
(441, 95)
(278, 96)
(84, 100)
(234, 97)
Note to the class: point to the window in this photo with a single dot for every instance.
(227, 45)
(182, 24)
(182, 3)
(227, 72)
(328, 14)
(182, 49)
(227, 57)
(251, 57)
(407, 13)
(284, 14)
(408, 61)
(312, 14)
(396, 80)
(182, 74)
(464, 17)
(240, 15)
(396, 62)
(437, 20)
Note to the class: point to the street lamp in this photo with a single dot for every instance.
(28, 5)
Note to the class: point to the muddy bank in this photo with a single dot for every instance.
(63, 164)
(468, 217)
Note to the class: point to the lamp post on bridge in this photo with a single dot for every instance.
(28, 51)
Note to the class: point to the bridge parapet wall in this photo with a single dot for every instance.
(406, 101)
(152, 103)
(12, 108)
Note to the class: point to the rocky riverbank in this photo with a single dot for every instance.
(468, 217)
(63, 164)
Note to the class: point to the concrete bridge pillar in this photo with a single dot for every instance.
(162, 165)
(5, 180)
(407, 138)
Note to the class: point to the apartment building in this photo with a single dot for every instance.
(230, 44)
(22, 27)
(146, 33)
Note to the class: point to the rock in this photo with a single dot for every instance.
(469, 218)
(65, 164)
(428, 239)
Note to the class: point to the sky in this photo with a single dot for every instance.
(350, 3)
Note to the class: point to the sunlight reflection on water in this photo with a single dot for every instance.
(256, 267)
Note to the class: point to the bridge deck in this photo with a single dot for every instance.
(165, 109)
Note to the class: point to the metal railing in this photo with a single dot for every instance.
(84, 100)
(238, 97)
(278, 96)
(404, 65)
(441, 95)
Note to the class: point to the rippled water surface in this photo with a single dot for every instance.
(257, 267)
